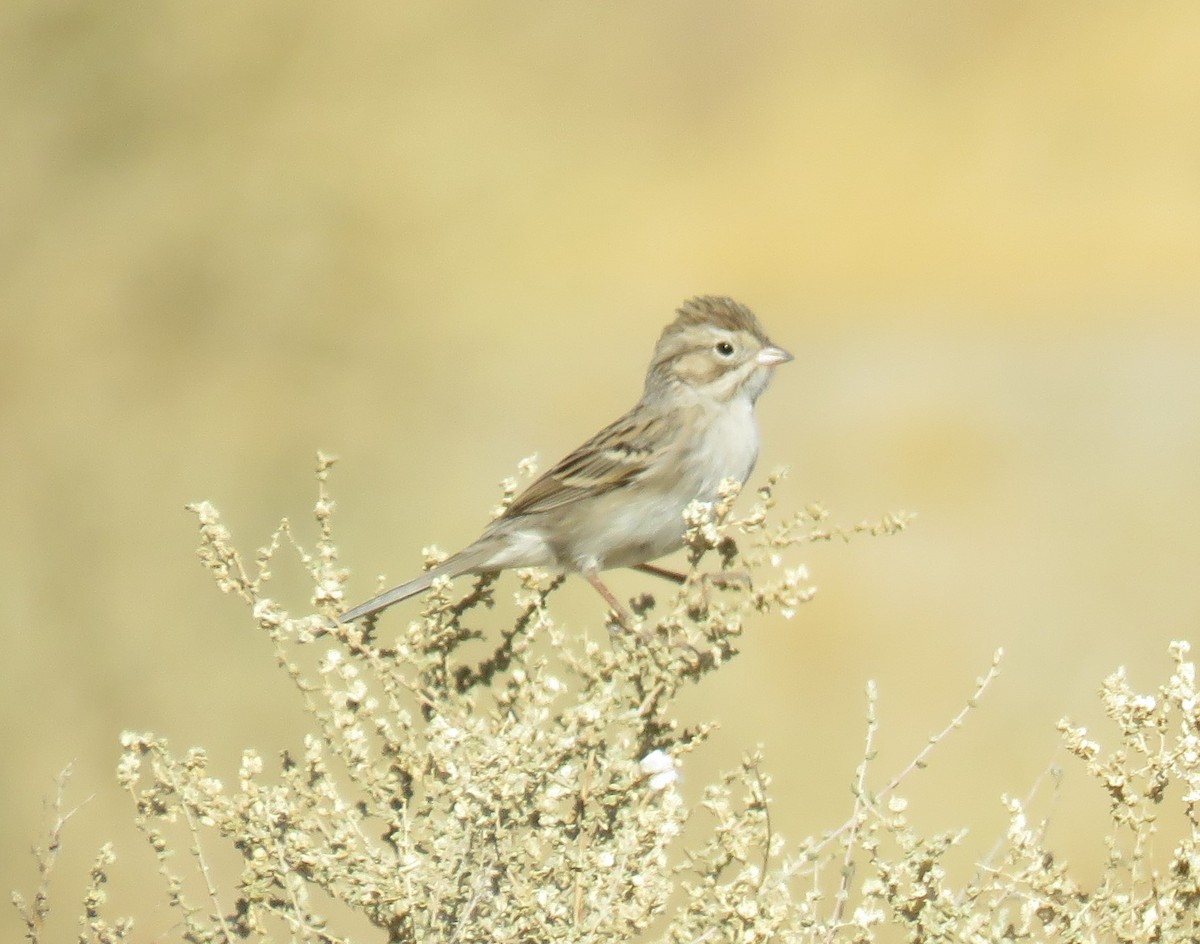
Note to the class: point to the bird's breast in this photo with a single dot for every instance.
(724, 447)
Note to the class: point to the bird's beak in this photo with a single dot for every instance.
(771, 355)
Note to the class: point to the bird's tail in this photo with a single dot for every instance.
(464, 562)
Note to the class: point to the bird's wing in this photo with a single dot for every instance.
(618, 455)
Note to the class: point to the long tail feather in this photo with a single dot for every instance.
(383, 600)
(464, 562)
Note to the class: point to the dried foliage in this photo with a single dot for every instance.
(531, 793)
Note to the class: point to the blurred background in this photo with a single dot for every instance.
(434, 238)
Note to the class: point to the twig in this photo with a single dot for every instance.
(766, 807)
(918, 762)
(1050, 770)
(860, 792)
(585, 788)
(35, 915)
(198, 853)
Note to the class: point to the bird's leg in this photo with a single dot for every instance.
(721, 579)
(699, 599)
(623, 615)
(724, 579)
(673, 575)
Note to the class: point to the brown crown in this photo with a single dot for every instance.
(720, 311)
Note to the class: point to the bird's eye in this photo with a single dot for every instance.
(724, 348)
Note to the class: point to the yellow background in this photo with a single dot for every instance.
(433, 238)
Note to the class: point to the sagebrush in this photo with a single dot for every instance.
(530, 793)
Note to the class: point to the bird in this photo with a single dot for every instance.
(618, 500)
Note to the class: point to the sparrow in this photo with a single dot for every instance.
(618, 500)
